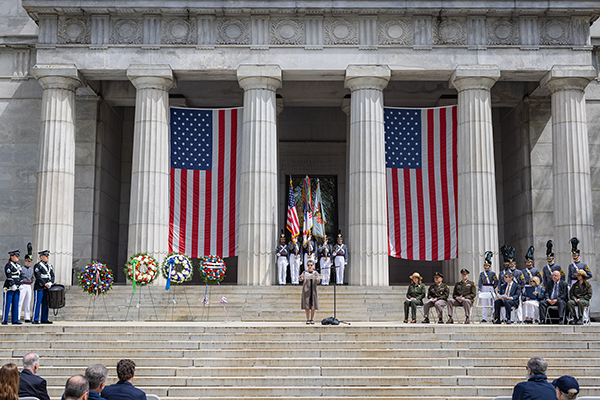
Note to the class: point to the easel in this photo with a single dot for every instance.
(92, 307)
(139, 303)
(169, 300)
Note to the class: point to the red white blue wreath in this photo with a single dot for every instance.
(212, 268)
(176, 269)
(96, 279)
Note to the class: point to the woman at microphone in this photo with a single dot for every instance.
(310, 297)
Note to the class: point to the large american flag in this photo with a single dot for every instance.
(421, 172)
(204, 174)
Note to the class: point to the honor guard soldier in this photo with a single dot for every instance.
(488, 282)
(295, 254)
(517, 274)
(577, 264)
(26, 287)
(437, 296)
(282, 259)
(463, 295)
(530, 271)
(505, 256)
(309, 249)
(340, 254)
(12, 284)
(550, 267)
(325, 261)
(44, 279)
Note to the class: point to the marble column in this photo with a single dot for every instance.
(477, 203)
(149, 201)
(572, 192)
(258, 174)
(368, 245)
(55, 191)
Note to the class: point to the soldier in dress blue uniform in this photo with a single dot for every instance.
(550, 267)
(340, 254)
(517, 274)
(488, 282)
(577, 264)
(282, 259)
(530, 271)
(12, 284)
(504, 252)
(325, 260)
(309, 250)
(44, 279)
(295, 259)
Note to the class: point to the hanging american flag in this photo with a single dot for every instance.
(421, 172)
(293, 225)
(204, 174)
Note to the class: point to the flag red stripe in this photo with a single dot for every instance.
(396, 210)
(171, 208)
(455, 157)
(221, 181)
(196, 215)
(183, 209)
(444, 180)
(207, 212)
(421, 216)
(409, 221)
(232, 181)
(431, 161)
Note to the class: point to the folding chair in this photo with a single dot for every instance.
(547, 317)
(484, 296)
(152, 397)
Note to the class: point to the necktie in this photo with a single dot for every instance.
(554, 291)
(507, 290)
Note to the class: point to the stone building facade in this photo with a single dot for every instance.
(85, 88)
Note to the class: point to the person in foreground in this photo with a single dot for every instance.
(76, 388)
(31, 385)
(567, 387)
(537, 386)
(124, 389)
(9, 382)
(96, 375)
(310, 297)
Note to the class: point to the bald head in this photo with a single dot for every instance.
(76, 388)
(31, 361)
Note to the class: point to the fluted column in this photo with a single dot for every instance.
(258, 174)
(368, 245)
(149, 201)
(572, 192)
(55, 191)
(477, 203)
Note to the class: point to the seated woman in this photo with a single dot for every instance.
(579, 297)
(531, 305)
(9, 382)
(414, 297)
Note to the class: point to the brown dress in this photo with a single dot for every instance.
(310, 298)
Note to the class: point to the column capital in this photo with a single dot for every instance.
(346, 105)
(569, 77)
(367, 77)
(151, 76)
(266, 77)
(57, 76)
(467, 77)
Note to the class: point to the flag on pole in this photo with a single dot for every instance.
(307, 209)
(422, 190)
(319, 220)
(204, 174)
(293, 225)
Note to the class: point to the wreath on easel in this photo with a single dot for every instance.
(141, 269)
(96, 279)
(178, 267)
(212, 268)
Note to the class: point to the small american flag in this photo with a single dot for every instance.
(421, 172)
(293, 225)
(204, 175)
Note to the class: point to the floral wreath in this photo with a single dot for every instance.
(212, 268)
(173, 261)
(146, 269)
(96, 279)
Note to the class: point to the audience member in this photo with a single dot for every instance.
(537, 386)
(437, 296)
(531, 305)
(557, 294)
(580, 295)
(76, 388)
(414, 297)
(508, 298)
(96, 376)
(29, 383)
(567, 388)
(124, 389)
(463, 295)
(9, 382)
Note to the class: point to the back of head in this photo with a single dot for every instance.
(96, 375)
(567, 387)
(29, 360)
(537, 365)
(125, 369)
(76, 387)
(9, 382)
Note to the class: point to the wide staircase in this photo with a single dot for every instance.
(265, 351)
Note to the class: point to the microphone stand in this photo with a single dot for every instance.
(334, 320)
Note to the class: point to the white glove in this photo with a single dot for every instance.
(13, 287)
(49, 285)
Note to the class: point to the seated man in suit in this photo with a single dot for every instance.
(557, 294)
(76, 388)
(96, 375)
(508, 297)
(31, 385)
(124, 390)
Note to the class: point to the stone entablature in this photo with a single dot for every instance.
(259, 28)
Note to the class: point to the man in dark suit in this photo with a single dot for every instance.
(124, 390)
(96, 375)
(508, 297)
(76, 388)
(29, 383)
(557, 294)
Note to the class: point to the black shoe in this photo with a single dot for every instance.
(497, 321)
(483, 321)
(440, 321)
(4, 322)
(561, 322)
(509, 322)
(17, 323)
(450, 321)
(425, 320)
(46, 322)
(36, 322)
(28, 321)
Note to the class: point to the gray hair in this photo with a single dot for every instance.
(509, 274)
(76, 387)
(96, 375)
(30, 359)
(537, 365)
